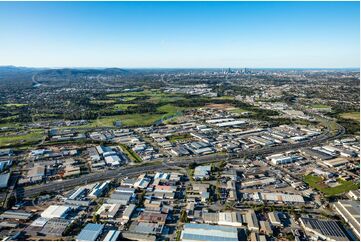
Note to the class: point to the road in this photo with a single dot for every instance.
(56, 186)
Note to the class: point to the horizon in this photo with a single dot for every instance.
(230, 67)
(181, 34)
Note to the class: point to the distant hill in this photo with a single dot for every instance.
(75, 71)
(25, 73)
(7, 70)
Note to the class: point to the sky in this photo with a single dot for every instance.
(180, 34)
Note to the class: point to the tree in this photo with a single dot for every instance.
(96, 218)
(183, 217)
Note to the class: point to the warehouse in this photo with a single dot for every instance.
(142, 182)
(258, 182)
(214, 121)
(55, 211)
(127, 214)
(350, 212)
(122, 198)
(236, 123)
(99, 189)
(316, 154)
(336, 162)
(201, 172)
(108, 210)
(280, 159)
(206, 232)
(90, 232)
(112, 235)
(16, 215)
(80, 192)
(55, 227)
(324, 229)
(113, 160)
(274, 219)
(230, 219)
(260, 140)
(277, 197)
(4, 180)
(252, 221)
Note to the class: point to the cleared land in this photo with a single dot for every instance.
(351, 115)
(23, 139)
(320, 106)
(318, 183)
(181, 137)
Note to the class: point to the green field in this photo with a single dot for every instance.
(181, 137)
(170, 109)
(102, 101)
(16, 105)
(9, 125)
(352, 115)
(129, 120)
(317, 183)
(11, 140)
(154, 96)
(239, 110)
(131, 154)
(123, 106)
(320, 106)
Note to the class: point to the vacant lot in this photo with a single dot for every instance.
(28, 138)
(318, 183)
(351, 115)
(320, 106)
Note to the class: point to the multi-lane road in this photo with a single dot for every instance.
(56, 186)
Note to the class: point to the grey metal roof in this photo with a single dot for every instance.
(90, 232)
(4, 180)
(206, 232)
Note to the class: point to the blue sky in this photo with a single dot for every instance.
(180, 34)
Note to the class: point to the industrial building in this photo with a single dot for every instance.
(55, 211)
(280, 159)
(90, 232)
(4, 180)
(324, 229)
(206, 232)
(127, 214)
(108, 210)
(112, 235)
(277, 197)
(350, 212)
(201, 172)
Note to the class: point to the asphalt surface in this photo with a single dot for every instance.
(58, 186)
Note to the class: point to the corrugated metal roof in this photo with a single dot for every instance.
(90, 232)
(112, 235)
(205, 232)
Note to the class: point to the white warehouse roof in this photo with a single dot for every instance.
(55, 211)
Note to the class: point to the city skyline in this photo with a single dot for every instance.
(181, 34)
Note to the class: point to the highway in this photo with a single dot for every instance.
(56, 186)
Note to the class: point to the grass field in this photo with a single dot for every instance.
(170, 109)
(175, 138)
(123, 106)
(129, 120)
(32, 137)
(154, 96)
(102, 101)
(351, 115)
(131, 154)
(9, 125)
(16, 105)
(320, 106)
(317, 183)
(238, 110)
